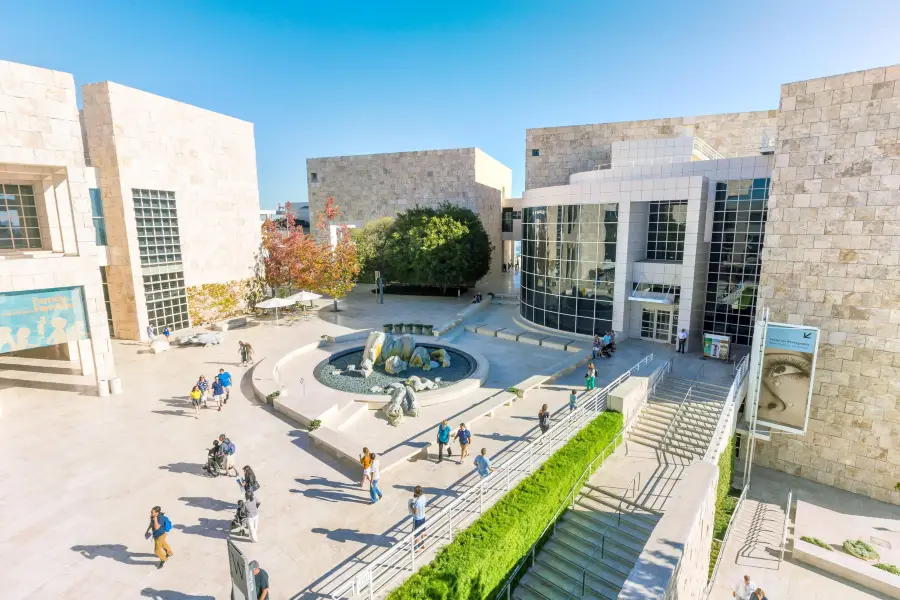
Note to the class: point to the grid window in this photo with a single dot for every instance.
(166, 300)
(739, 220)
(665, 230)
(568, 266)
(19, 227)
(159, 242)
(97, 215)
(105, 282)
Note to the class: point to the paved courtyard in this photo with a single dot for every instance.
(80, 473)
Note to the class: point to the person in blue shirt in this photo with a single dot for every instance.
(218, 391)
(417, 510)
(573, 399)
(203, 384)
(465, 438)
(160, 525)
(225, 380)
(483, 464)
(443, 439)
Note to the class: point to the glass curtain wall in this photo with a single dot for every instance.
(739, 221)
(568, 266)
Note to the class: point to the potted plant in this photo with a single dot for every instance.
(398, 328)
(407, 328)
(388, 328)
(417, 328)
(428, 329)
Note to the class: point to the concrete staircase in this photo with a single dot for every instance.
(592, 551)
(685, 433)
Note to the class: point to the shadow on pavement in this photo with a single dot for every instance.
(117, 552)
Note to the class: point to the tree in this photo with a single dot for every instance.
(289, 255)
(447, 246)
(337, 263)
(371, 241)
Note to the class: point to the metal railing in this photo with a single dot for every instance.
(787, 521)
(675, 417)
(634, 487)
(601, 545)
(722, 542)
(719, 437)
(704, 149)
(414, 548)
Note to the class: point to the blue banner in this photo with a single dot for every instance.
(797, 339)
(42, 318)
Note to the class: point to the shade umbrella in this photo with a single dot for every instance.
(275, 303)
(304, 297)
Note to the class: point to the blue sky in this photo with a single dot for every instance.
(330, 77)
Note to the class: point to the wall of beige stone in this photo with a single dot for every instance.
(138, 140)
(371, 186)
(578, 148)
(832, 260)
(40, 133)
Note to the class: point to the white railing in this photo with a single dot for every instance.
(416, 548)
(787, 521)
(720, 435)
(705, 150)
(737, 508)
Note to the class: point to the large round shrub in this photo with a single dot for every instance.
(861, 549)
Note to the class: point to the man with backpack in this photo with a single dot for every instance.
(228, 449)
(160, 525)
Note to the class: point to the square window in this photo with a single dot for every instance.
(313, 178)
(535, 152)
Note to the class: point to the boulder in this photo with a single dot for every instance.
(209, 339)
(441, 357)
(393, 410)
(372, 350)
(395, 365)
(407, 345)
(382, 354)
(411, 406)
(419, 358)
(159, 345)
(393, 350)
(420, 384)
(376, 389)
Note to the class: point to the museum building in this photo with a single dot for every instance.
(110, 213)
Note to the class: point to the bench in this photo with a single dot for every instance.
(229, 324)
(535, 381)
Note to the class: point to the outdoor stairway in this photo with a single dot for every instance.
(689, 436)
(593, 548)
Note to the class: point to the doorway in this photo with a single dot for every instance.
(656, 325)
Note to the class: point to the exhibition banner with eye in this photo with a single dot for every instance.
(785, 386)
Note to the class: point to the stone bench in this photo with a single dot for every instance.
(535, 381)
(229, 324)
(530, 337)
(511, 334)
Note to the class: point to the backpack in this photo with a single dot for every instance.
(168, 525)
(229, 447)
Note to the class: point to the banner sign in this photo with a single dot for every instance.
(42, 318)
(242, 582)
(786, 376)
(716, 346)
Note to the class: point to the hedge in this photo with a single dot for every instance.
(725, 503)
(479, 559)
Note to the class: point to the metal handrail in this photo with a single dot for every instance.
(636, 482)
(601, 545)
(665, 437)
(715, 442)
(724, 539)
(402, 557)
(787, 521)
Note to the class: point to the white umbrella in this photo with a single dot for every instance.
(304, 297)
(275, 303)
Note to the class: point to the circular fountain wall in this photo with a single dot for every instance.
(335, 371)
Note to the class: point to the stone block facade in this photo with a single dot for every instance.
(137, 140)
(832, 260)
(371, 186)
(40, 146)
(552, 154)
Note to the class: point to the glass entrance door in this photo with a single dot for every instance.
(656, 325)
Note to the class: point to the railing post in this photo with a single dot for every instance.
(481, 497)
(449, 525)
(371, 589)
(507, 477)
(412, 552)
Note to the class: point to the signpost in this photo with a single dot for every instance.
(782, 370)
(242, 583)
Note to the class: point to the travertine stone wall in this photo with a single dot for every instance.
(372, 186)
(574, 149)
(832, 260)
(40, 145)
(143, 141)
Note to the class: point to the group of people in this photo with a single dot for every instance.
(221, 391)
(371, 473)
(747, 590)
(151, 332)
(603, 346)
(510, 267)
(463, 435)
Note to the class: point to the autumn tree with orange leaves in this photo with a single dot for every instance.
(294, 259)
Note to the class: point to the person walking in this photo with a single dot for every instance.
(229, 450)
(203, 384)
(374, 476)
(249, 483)
(682, 338)
(465, 438)
(365, 459)
(225, 380)
(167, 332)
(573, 400)
(151, 333)
(590, 378)
(760, 594)
(246, 352)
(251, 504)
(443, 439)
(160, 525)
(544, 419)
(483, 464)
(744, 589)
(261, 581)
(595, 350)
(196, 394)
(417, 510)
(218, 391)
